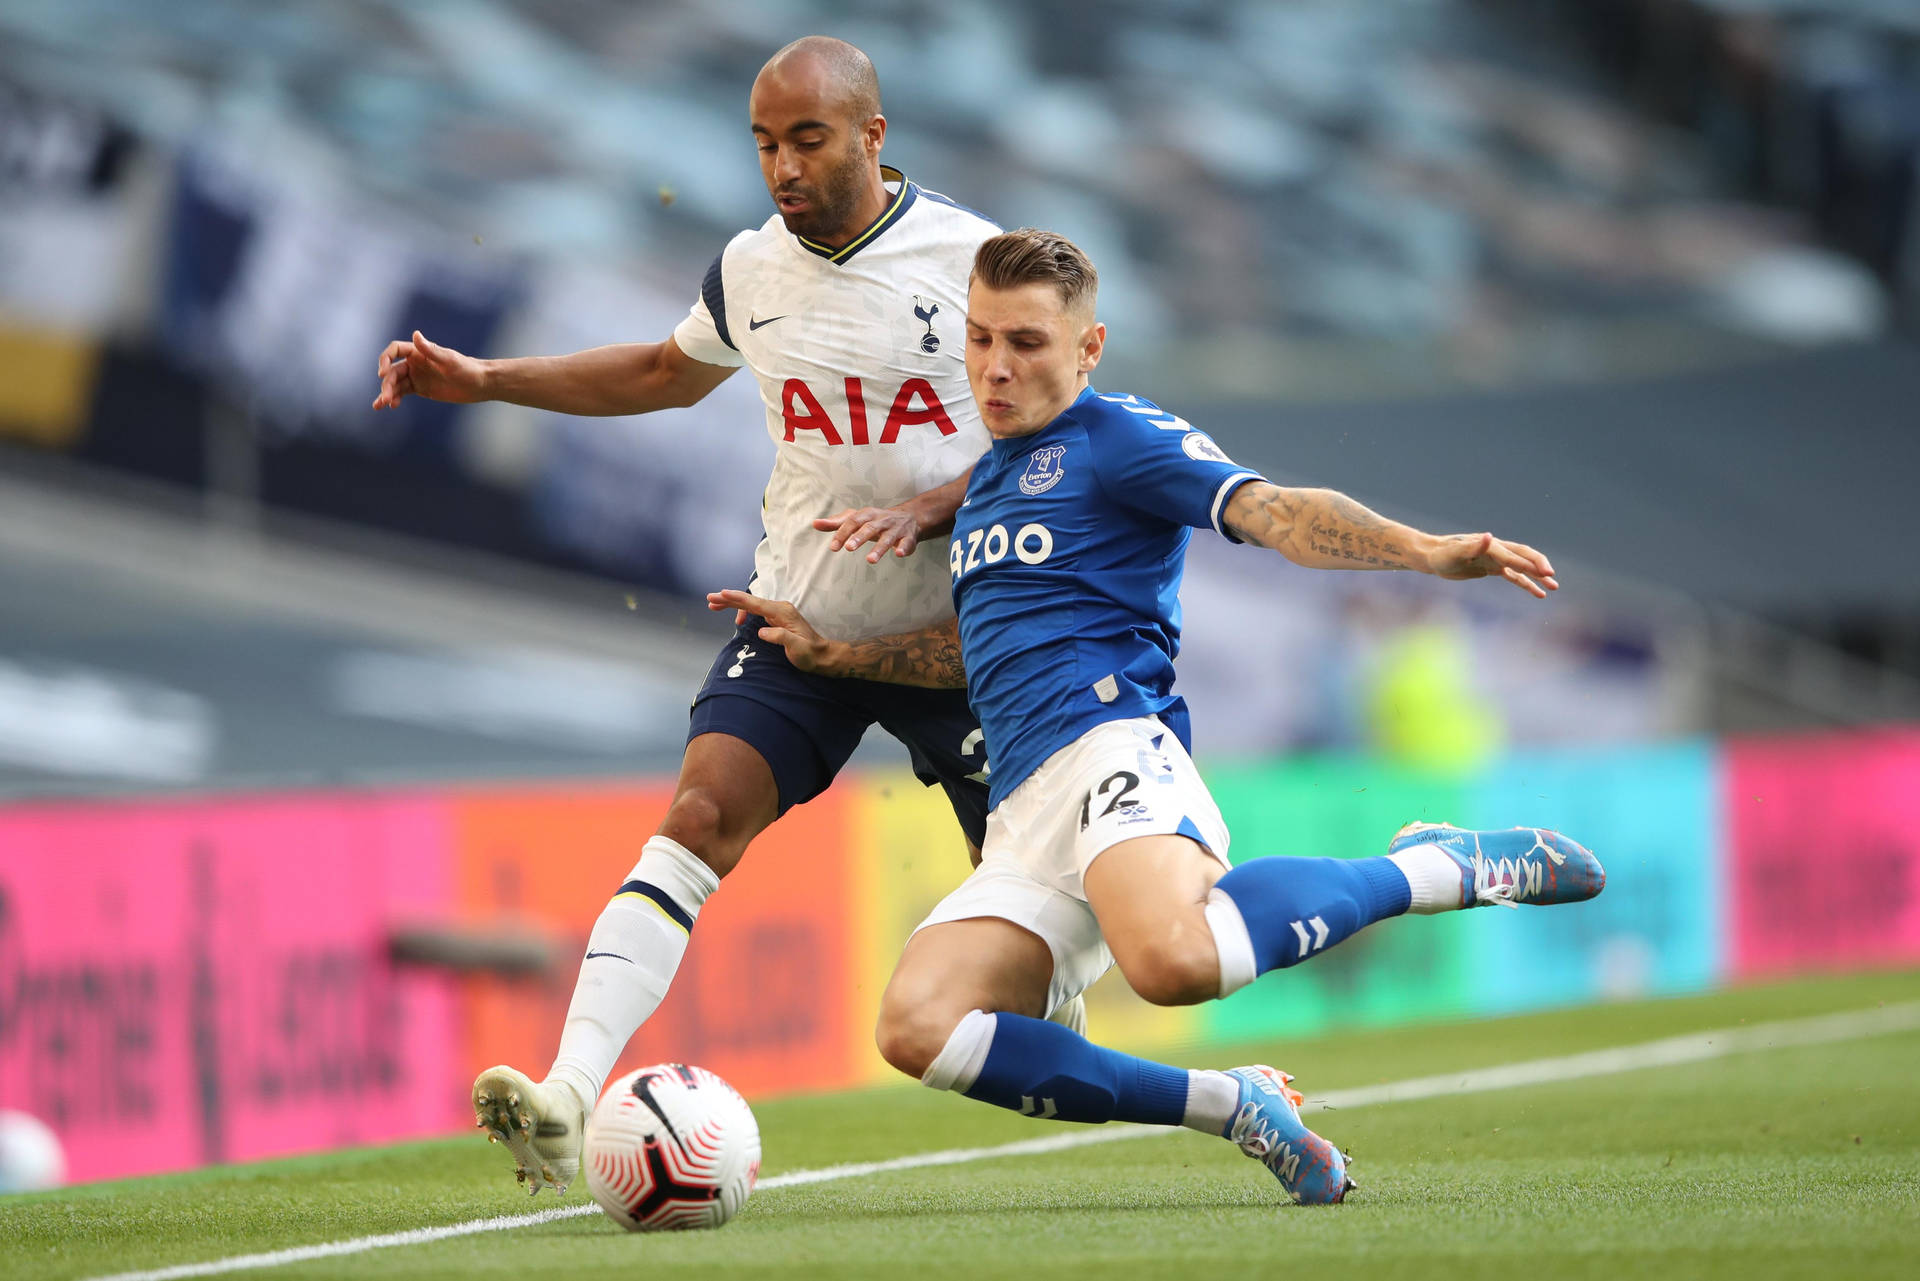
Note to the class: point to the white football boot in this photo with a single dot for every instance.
(542, 1125)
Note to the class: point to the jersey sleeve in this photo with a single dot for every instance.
(1159, 463)
(704, 334)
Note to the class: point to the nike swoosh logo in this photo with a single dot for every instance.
(755, 324)
(643, 1090)
(615, 955)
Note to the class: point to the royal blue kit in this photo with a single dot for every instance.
(1066, 562)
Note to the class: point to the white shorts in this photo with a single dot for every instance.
(1117, 781)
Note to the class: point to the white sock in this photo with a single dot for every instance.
(1432, 875)
(958, 1064)
(632, 955)
(1212, 1099)
(1231, 940)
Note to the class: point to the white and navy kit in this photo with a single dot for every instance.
(1066, 564)
(859, 353)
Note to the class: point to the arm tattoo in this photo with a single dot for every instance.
(930, 657)
(1320, 528)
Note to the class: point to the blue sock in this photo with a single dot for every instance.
(1042, 1069)
(1295, 908)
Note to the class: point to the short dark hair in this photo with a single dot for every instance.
(1031, 256)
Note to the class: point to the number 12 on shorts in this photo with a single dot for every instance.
(1116, 789)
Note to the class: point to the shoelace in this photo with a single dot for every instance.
(1251, 1130)
(1487, 891)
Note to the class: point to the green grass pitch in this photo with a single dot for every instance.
(1786, 1162)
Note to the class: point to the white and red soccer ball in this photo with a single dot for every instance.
(671, 1146)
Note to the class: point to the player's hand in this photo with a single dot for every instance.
(1484, 556)
(885, 528)
(806, 648)
(422, 368)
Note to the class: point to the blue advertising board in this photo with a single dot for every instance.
(1650, 814)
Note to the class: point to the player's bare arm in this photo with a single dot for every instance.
(626, 378)
(1324, 529)
(929, 657)
(897, 528)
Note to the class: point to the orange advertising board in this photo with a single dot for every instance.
(764, 995)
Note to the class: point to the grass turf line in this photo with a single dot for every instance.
(1665, 1169)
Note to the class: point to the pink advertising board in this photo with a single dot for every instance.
(1823, 851)
(205, 981)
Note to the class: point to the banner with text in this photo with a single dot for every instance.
(204, 981)
(1824, 859)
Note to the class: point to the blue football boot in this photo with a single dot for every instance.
(1268, 1128)
(1512, 866)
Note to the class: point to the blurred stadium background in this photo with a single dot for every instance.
(296, 699)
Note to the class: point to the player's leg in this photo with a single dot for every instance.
(1149, 894)
(960, 1014)
(763, 737)
(726, 795)
(965, 1009)
(963, 1012)
(1124, 809)
(1269, 913)
(1128, 787)
(946, 746)
(1185, 928)
(950, 970)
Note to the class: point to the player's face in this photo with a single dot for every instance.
(1027, 355)
(817, 160)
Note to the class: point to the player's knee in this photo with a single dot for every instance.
(1182, 971)
(697, 821)
(911, 1034)
(910, 1044)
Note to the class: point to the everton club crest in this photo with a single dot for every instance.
(1043, 470)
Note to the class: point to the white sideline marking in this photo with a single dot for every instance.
(1673, 1050)
(1668, 1052)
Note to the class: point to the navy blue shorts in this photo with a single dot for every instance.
(806, 726)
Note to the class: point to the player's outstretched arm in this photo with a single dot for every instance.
(930, 657)
(628, 378)
(897, 528)
(1323, 529)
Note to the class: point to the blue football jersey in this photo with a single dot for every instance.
(1066, 560)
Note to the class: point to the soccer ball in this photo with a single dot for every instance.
(30, 1155)
(671, 1146)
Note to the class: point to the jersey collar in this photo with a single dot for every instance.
(902, 200)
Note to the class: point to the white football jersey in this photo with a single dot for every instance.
(860, 354)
